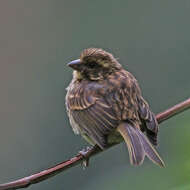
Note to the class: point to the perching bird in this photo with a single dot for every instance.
(104, 104)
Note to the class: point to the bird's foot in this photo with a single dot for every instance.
(85, 154)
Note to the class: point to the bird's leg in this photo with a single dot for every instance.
(85, 154)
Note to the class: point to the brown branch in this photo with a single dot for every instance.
(45, 174)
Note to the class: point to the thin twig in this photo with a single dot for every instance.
(45, 174)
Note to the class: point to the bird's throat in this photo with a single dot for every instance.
(77, 75)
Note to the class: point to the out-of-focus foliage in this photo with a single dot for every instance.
(37, 39)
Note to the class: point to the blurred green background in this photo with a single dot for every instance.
(38, 38)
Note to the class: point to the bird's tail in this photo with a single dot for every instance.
(138, 145)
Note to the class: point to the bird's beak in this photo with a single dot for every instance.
(75, 64)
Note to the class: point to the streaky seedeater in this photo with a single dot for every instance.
(104, 104)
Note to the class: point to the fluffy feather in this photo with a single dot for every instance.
(102, 97)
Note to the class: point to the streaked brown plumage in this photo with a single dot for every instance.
(104, 103)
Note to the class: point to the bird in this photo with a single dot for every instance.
(105, 105)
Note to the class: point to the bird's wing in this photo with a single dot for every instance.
(136, 108)
(88, 108)
(133, 107)
(149, 120)
(147, 115)
(98, 109)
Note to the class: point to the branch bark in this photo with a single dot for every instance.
(76, 160)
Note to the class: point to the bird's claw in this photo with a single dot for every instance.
(84, 153)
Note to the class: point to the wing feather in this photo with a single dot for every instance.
(149, 120)
(96, 108)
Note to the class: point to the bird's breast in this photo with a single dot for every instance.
(81, 95)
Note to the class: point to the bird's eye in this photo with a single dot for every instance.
(91, 64)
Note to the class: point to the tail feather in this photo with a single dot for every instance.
(152, 137)
(150, 151)
(138, 145)
(135, 147)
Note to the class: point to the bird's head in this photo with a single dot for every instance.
(94, 64)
